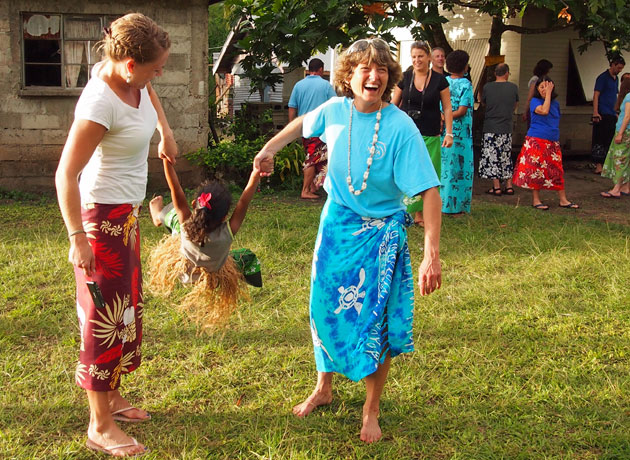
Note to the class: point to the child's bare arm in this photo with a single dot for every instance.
(238, 216)
(179, 197)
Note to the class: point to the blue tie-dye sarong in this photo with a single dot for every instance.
(361, 291)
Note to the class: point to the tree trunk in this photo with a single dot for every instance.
(436, 34)
(496, 31)
(438, 38)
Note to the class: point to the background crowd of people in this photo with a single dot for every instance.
(423, 92)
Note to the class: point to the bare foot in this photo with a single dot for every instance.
(117, 402)
(309, 196)
(155, 207)
(111, 436)
(371, 430)
(316, 399)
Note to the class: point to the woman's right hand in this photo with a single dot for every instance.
(81, 254)
(618, 138)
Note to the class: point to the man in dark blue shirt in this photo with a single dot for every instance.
(604, 115)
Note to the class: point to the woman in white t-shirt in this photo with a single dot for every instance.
(108, 147)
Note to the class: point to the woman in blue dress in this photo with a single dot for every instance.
(362, 293)
(457, 160)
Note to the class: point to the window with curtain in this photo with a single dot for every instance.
(59, 49)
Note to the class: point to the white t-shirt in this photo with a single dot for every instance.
(117, 170)
(532, 81)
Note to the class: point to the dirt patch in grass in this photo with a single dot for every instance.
(582, 186)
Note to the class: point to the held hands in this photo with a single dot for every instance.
(81, 254)
(264, 167)
(429, 275)
(167, 149)
(264, 162)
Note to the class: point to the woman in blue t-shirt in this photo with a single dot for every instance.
(539, 165)
(361, 303)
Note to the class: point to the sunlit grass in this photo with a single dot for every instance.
(523, 353)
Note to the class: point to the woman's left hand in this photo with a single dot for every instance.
(429, 275)
(263, 161)
(167, 148)
(447, 142)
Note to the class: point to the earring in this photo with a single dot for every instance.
(128, 80)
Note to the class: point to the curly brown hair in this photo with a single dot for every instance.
(134, 36)
(204, 220)
(372, 50)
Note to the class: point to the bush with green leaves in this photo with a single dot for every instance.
(231, 159)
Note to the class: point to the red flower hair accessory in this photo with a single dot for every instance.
(204, 200)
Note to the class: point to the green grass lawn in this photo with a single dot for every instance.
(523, 353)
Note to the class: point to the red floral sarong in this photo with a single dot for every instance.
(110, 335)
(539, 165)
(316, 156)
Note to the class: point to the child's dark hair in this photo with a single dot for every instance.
(456, 61)
(205, 219)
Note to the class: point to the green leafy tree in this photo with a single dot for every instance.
(290, 31)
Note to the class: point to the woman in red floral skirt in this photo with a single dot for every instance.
(107, 147)
(539, 165)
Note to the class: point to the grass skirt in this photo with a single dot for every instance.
(213, 296)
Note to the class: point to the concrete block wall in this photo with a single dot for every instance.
(33, 129)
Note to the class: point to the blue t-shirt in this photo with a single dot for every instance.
(608, 88)
(622, 113)
(310, 93)
(401, 165)
(545, 126)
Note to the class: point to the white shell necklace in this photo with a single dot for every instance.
(366, 174)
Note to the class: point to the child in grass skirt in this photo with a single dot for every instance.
(198, 249)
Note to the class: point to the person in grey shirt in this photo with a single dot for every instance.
(500, 98)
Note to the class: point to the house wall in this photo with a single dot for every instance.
(34, 128)
(466, 24)
(522, 52)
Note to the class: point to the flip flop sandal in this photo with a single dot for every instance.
(109, 450)
(541, 207)
(117, 415)
(494, 191)
(569, 206)
(609, 195)
(625, 194)
(508, 191)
